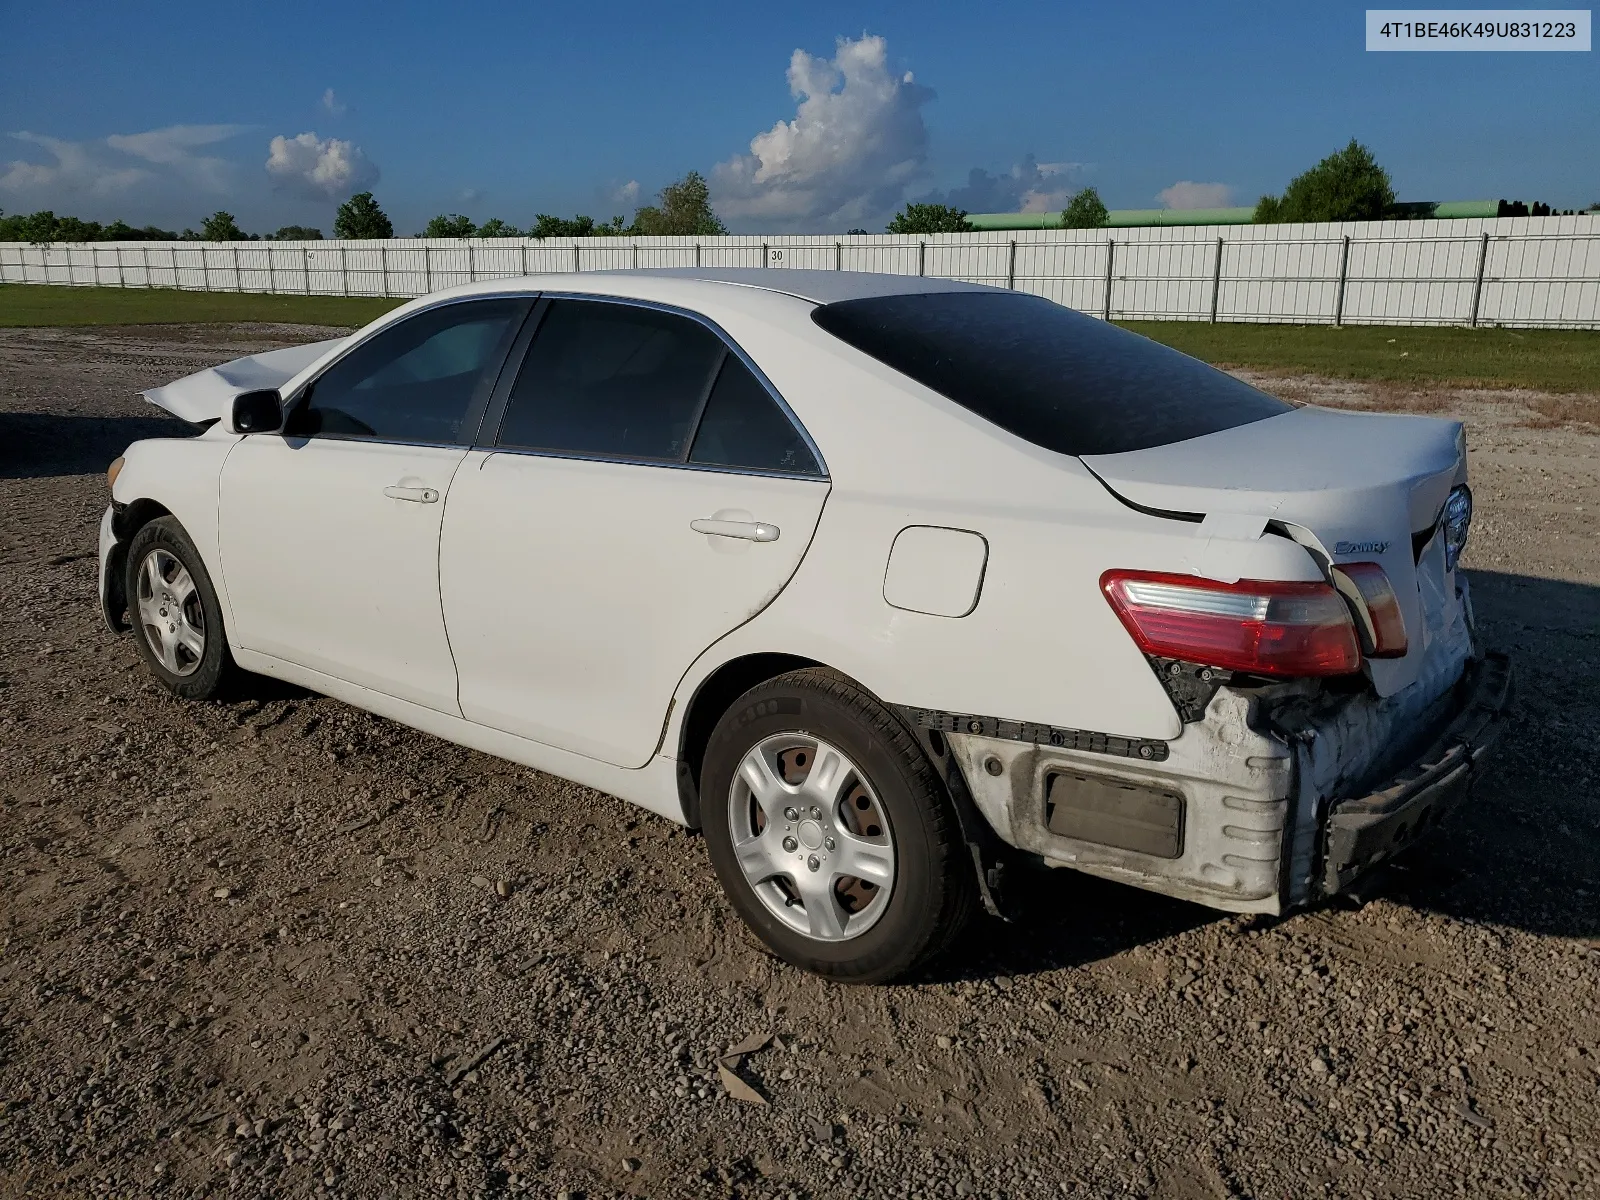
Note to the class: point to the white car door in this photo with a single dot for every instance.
(642, 493)
(329, 530)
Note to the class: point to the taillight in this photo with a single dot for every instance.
(1265, 628)
(1377, 609)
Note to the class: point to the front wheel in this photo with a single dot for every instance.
(177, 622)
(830, 832)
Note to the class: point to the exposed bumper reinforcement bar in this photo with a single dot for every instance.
(1368, 830)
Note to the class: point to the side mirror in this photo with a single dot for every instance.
(258, 412)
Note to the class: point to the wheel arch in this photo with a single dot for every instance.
(713, 697)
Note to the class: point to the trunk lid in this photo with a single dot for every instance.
(208, 395)
(1350, 487)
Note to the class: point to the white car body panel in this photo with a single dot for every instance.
(328, 572)
(576, 594)
(208, 395)
(560, 612)
(1356, 485)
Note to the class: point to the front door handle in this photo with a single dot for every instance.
(415, 495)
(750, 531)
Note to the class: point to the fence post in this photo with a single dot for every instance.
(305, 267)
(1011, 266)
(1111, 254)
(344, 273)
(1477, 287)
(838, 256)
(1344, 274)
(765, 253)
(383, 265)
(633, 256)
(1216, 282)
(697, 254)
(525, 270)
(272, 274)
(238, 275)
(922, 257)
(205, 267)
(577, 259)
(427, 268)
(144, 255)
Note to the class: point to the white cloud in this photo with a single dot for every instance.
(102, 167)
(627, 195)
(332, 104)
(470, 195)
(1187, 194)
(79, 168)
(174, 148)
(1030, 186)
(856, 142)
(328, 168)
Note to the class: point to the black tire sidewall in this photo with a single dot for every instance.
(905, 787)
(165, 533)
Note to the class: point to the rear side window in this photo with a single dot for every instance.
(612, 380)
(1059, 379)
(744, 427)
(417, 380)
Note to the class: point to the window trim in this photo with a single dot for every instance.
(494, 415)
(474, 415)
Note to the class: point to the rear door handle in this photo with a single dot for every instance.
(750, 531)
(415, 495)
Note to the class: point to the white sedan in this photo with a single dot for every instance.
(883, 583)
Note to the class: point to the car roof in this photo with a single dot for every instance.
(820, 287)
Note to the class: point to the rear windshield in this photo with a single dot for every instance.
(1064, 381)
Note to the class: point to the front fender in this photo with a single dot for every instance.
(113, 555)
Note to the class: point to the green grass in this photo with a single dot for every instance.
(1554, 360)
(37, 304)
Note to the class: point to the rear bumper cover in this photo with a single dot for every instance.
(1265, 805)
(1367, 830)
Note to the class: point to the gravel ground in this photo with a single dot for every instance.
(277, 947)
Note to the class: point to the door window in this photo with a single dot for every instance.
(612, 381)
(744, 427)
(417, 381)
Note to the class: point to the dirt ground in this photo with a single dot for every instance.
(277, 947)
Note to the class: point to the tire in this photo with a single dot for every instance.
(177, 622)
(789, 872)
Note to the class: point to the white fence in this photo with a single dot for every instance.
(1515, 271)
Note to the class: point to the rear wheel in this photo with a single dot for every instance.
(830, 832)
(177, 622)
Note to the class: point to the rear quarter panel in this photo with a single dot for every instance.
(1042, 644)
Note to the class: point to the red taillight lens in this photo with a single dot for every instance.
(1377, 608)
(1265, 628)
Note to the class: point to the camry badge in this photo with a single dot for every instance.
(1360, 547)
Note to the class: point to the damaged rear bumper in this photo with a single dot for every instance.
(1264, 805)
(1368, 830)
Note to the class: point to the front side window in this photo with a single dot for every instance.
(1057, 378)
(612, 381)
(417, 380)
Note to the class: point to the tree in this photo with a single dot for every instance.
(121, 231)
(1085, 211)
(221, 227)
(450, 225)
(930, 218)
(360, 217)
(494, 227)
(297, 233)
(685, 210)
(1348, 185)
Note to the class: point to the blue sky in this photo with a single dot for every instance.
(276, 111)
